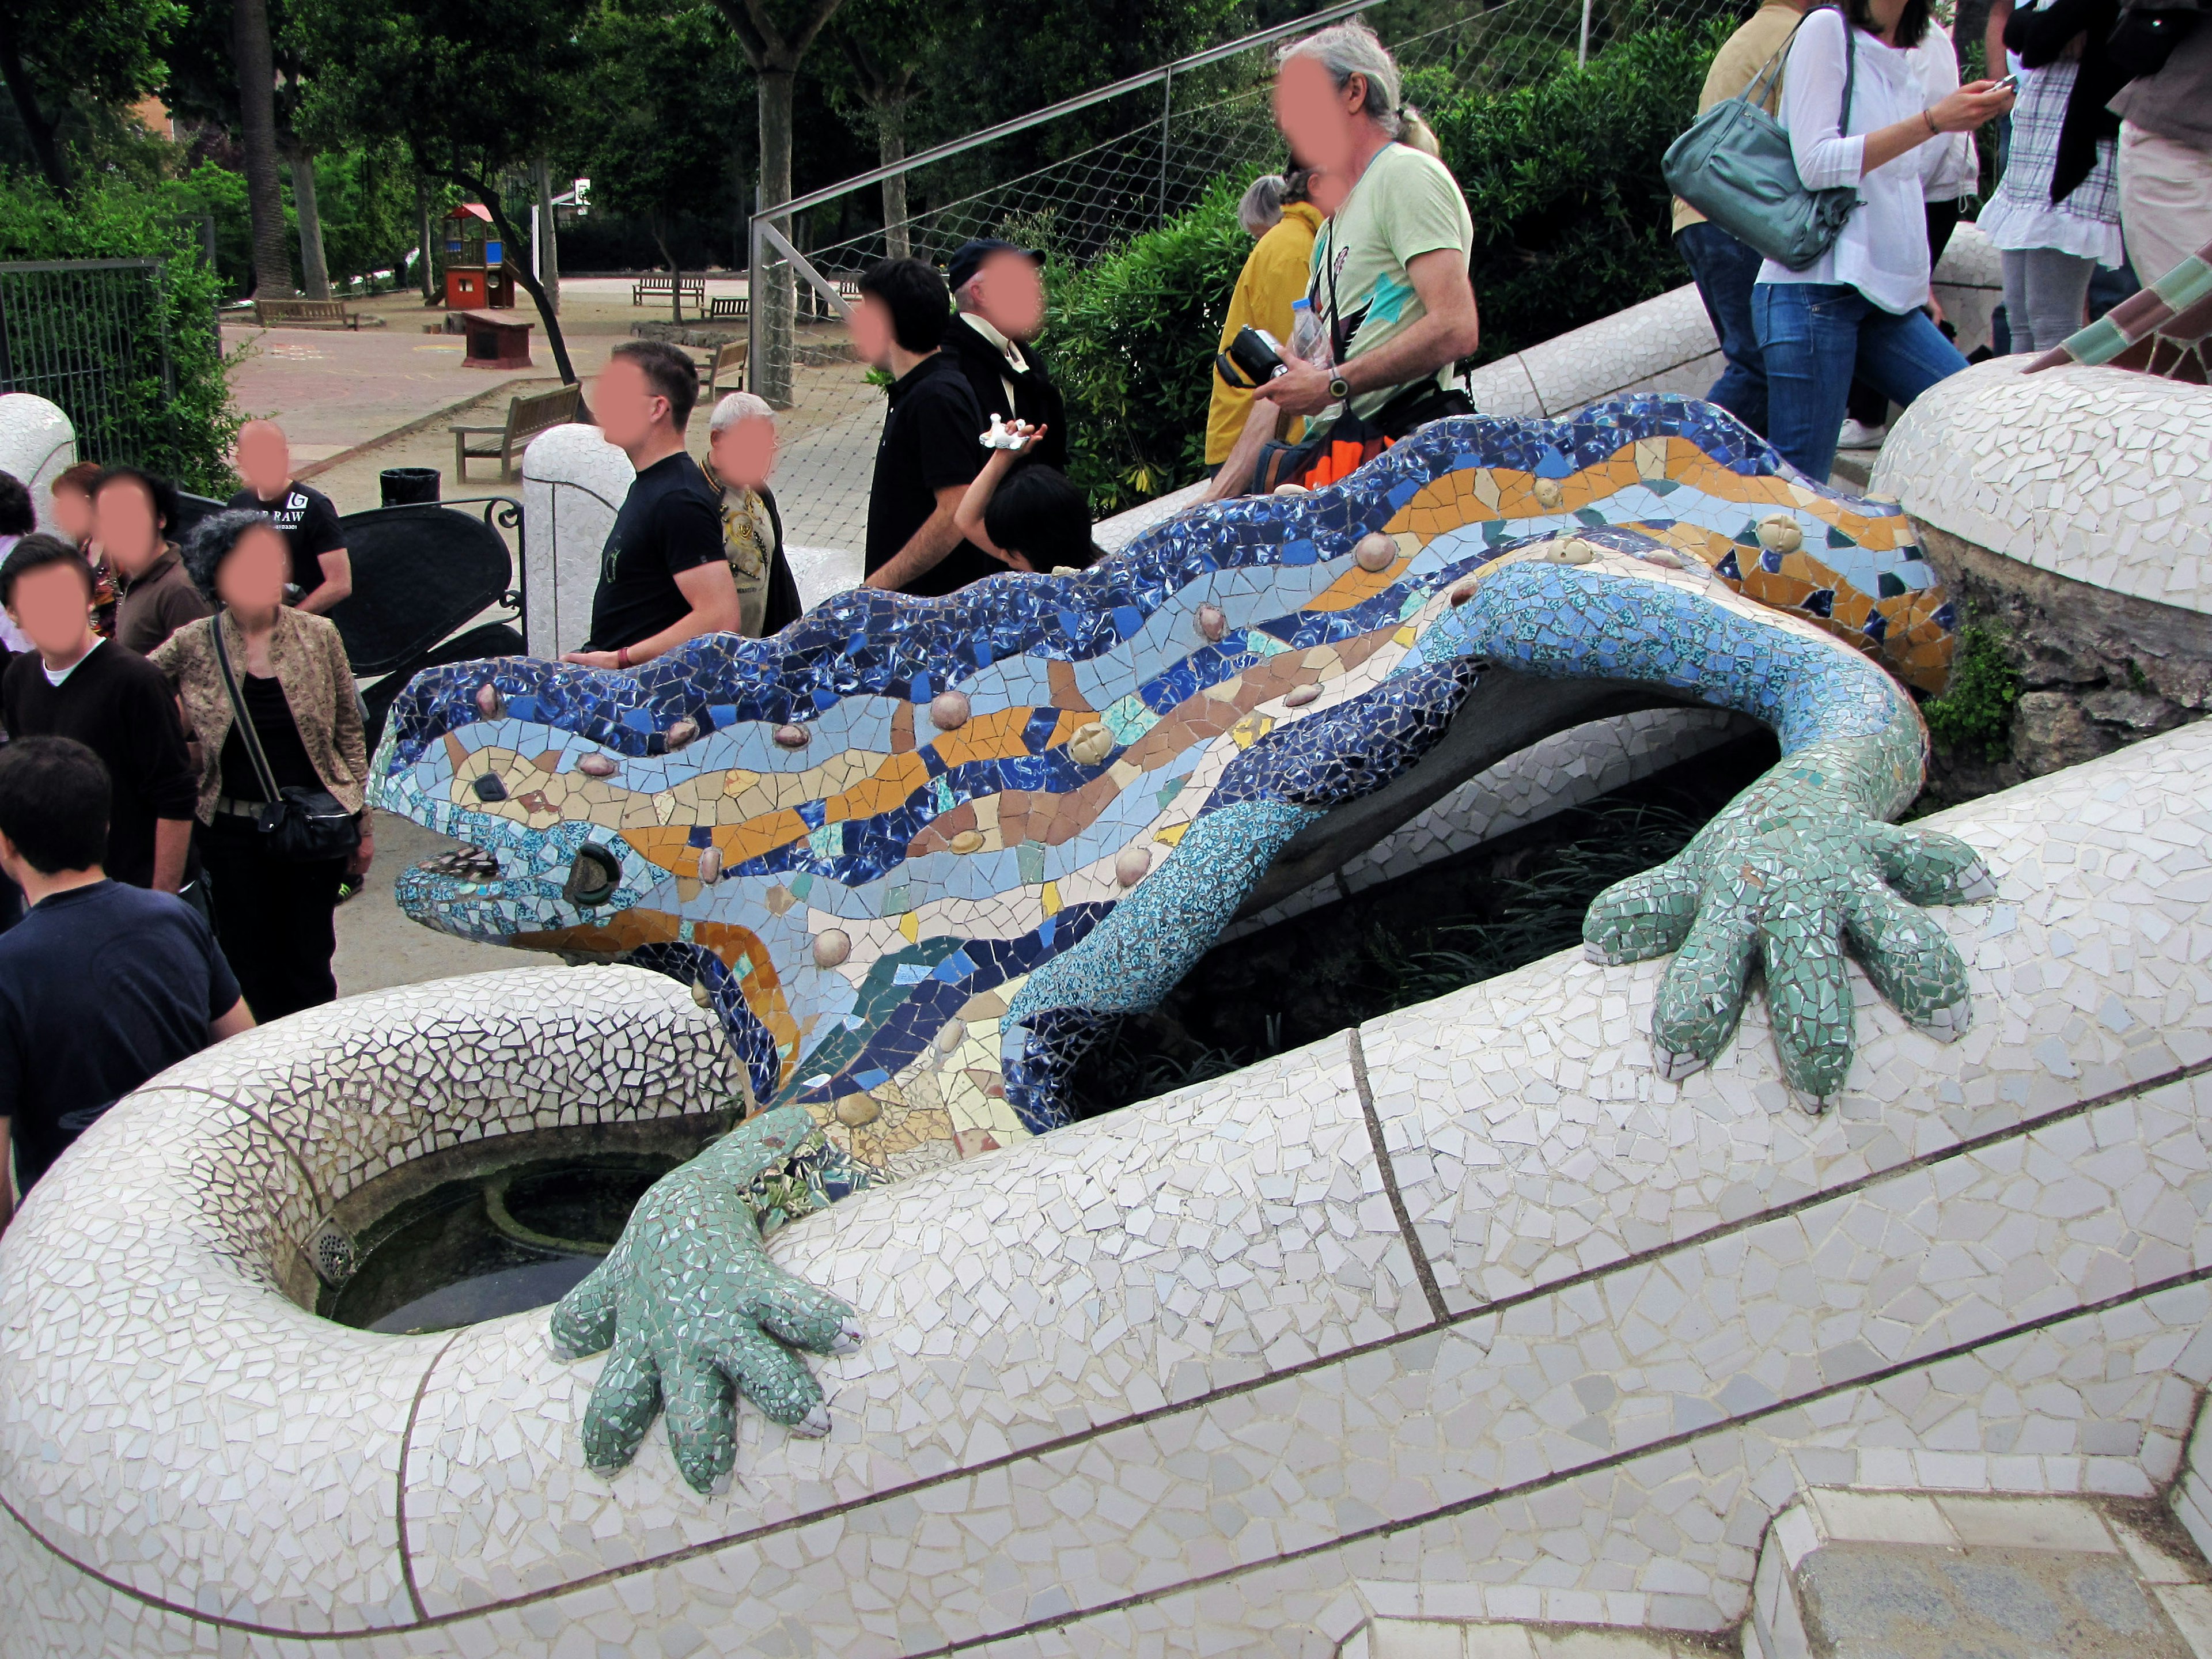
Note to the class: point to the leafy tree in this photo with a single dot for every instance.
(471, 87)
(52, 51)
(669, 90)
(883, 47)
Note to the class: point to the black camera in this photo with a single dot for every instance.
(1254, 358)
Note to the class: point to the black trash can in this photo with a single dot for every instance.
(404, 485)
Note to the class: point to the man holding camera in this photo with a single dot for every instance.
(1390, 283)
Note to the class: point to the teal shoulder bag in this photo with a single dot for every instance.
(1735, 166)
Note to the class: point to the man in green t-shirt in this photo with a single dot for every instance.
(1389, 274)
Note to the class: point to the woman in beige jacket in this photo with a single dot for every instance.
(272, 916)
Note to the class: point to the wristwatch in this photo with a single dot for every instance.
(1338, 388)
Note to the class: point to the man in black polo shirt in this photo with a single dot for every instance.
(321, 569)
(121, 707)
(662, 576)
(102, 985)
(931, 449)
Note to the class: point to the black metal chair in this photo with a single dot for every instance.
(419, 573)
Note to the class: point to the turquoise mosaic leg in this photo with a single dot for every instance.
(694, 1311)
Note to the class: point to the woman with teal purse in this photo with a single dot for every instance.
(1858, 306)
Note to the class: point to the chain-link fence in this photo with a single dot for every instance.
(1050, 181)
(92, 337)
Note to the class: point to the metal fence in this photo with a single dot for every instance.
(92, 337)
(1170, 134)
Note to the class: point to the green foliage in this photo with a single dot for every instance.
(1571, 218)
(185, 432)
(1976, 707)
(1131, 341)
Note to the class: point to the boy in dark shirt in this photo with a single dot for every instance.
(119, 706)
(321, 568)
(932, 444)
(663, 578)
(101, 985)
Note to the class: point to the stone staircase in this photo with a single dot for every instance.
(1855, 1574)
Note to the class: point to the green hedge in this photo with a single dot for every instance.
(1571, 223)
(185, 432)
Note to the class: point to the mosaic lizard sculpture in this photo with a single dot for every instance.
(917, 854)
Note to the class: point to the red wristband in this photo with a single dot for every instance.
(622, 656)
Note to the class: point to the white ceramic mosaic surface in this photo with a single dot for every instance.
(37, 443)
(1206, 1375)
(2099, 474)
(1667, 344)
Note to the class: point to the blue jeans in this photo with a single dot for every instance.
(1725, 270)
(1813, 337)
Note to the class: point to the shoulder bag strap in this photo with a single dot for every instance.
(247, 734)
(1850, 74)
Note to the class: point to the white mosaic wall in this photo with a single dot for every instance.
(1667, 344)
(37, 445)
(574, 482)
(1213, 1373)
(2096, 473)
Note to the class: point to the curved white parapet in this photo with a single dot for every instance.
(1667, 344)
(1214, 1373)
(574, 482)
(37, 445)
(2099, 474)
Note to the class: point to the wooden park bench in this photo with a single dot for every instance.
(305, 313)
(729, 305)
(526, 416)
(729, 359)
(663, 285)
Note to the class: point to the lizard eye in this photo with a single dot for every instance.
(593, 874)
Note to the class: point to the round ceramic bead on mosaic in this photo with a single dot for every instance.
(949, 710)
(596, 766)
(832, 947)
(1376, 552)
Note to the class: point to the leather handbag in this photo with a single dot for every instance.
(297, 825)
(1735, 166)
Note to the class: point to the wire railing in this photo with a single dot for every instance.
(91, 335)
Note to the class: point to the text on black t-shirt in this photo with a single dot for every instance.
(310, 525)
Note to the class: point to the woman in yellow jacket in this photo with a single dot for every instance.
(1278, 211)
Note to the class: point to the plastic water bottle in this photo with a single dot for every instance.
(1308, 339)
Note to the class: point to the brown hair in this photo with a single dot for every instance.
(670, 373)
(78, 478)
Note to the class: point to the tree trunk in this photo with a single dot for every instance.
(428, 270)
(257, 104)
(653, 223)
(771, 284)
(36, 127)
(548, 249)
(536, 289)
(313, 263)
(890, 151)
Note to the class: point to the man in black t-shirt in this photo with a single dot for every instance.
(102, 985)
(930, 450)
(320, 568)
(74, 685)
(663, 578)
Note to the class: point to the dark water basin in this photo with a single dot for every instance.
(491, 1243)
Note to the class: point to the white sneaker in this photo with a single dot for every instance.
(1856, 434)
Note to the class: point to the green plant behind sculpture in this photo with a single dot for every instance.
(1976, 710)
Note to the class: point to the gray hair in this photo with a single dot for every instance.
(1261, 208)
(1351, 48)
(214, 539)
(739, 406)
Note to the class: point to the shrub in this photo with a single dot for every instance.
(1976, 704)
(186, 430)
(1571, 218)
(1131, 345)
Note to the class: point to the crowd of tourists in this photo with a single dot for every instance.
(182, 789)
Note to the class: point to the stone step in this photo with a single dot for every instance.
(1853, 1574)
(1442, 1639)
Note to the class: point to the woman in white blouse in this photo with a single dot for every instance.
(1858, 306)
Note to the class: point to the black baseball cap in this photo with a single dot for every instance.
(968, 259)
